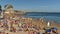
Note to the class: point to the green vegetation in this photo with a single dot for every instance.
(0, 7)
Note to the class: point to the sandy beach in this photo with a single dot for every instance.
(14, 22)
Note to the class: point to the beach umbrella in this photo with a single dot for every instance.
(54, 28)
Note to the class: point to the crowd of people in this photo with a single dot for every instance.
(15, 25)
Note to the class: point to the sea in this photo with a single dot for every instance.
(48, 16)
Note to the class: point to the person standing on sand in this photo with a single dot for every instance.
(48, 24)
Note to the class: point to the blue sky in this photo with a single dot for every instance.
(34, 5)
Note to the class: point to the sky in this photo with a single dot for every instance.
(33, 5)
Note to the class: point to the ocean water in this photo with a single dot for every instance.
(48, 16)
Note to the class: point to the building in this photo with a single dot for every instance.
(9, 12)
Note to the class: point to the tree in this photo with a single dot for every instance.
(0, 7)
